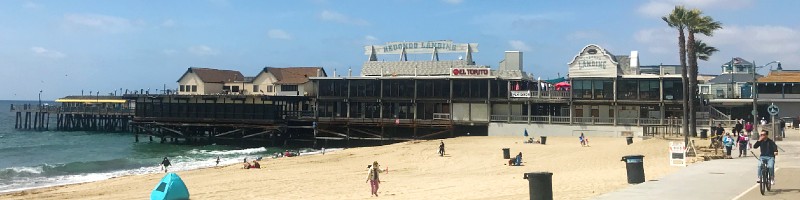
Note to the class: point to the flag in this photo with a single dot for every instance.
(526, 132)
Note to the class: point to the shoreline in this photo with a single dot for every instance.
(128, 173)
(413, 172)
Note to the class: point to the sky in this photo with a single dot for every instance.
(65, 47)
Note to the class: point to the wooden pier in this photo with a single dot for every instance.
(37, 118)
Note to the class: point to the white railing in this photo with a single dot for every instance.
(600, 120)
(441, 116)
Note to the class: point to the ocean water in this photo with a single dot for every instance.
(32, 159)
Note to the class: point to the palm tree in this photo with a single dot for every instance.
(677, 20)
(704, 52)
(695, 22)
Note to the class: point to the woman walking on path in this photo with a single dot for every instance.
(744, 141)
(373, 177)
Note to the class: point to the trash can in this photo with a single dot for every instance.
(629, 139)
(540, 185)
(635, 167)
(703, 133)
(544, 139)
(506, 153)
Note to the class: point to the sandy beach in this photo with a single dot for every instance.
(473, 168)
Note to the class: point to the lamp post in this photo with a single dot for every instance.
(754, 91)
(40, 99)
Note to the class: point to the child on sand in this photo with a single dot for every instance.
(373, 177)
(584, 140)
(441, 148)
(165, 163)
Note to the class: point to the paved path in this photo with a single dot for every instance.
(723, 179)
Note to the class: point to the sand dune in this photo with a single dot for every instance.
(472, 169)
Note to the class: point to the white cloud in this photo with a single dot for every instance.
(658, 40)
(168, 51)
(453, 1)
(370, 38)
(278, 34)
(104, 23)
(519, 45)
(582, 35)
(202, 50)
(168, 23)
(762, 43)
(30, 4)
(328, 15)
(659, 8)
(767, 41)
(41, 51)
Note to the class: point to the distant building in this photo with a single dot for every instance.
(203, 81)
(291, 81)
(733, 82)
(781, 87)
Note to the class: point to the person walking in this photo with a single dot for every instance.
(737, 129)
(217, 161)
(373, 178)
(781, 127)
(165, 163)
(441, 148)
(748, 128)
(744, 141)
(728, 142)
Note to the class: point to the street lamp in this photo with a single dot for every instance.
(754, 93)
(40, 99)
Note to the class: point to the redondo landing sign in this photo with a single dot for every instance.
(442, 46)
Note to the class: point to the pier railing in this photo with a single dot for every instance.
(71, 110)
(584, 120)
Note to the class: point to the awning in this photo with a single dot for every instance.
(556, 80)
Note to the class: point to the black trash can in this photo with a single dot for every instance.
(703, 133)
(629, 140)
(506, 153)
(635, 167)
(540, 185)
(544, 140)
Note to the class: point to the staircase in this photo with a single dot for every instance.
(718, 115)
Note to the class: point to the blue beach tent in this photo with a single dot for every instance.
(526, 132)
(171, 187)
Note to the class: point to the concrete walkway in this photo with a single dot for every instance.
(723, 179)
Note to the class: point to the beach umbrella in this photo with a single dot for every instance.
(526, 132)
(560, 85)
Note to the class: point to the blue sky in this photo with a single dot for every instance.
(63, 47)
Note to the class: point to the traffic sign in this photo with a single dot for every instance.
(773, 109)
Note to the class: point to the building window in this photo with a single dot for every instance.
(255, 88)
(182, 88)
(235, 88)
(648, 89)
(226, 88)
(269, 88)
(194, 88)
(288, 87)
(627, 89)
(582, 89)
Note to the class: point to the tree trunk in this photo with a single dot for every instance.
(692, 55)
(684, 79)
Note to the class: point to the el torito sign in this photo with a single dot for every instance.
(470, 72)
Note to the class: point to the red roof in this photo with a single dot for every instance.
(295, 75)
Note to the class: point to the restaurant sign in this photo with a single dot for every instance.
(520, 94)
(470, 72)
(442, 46)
